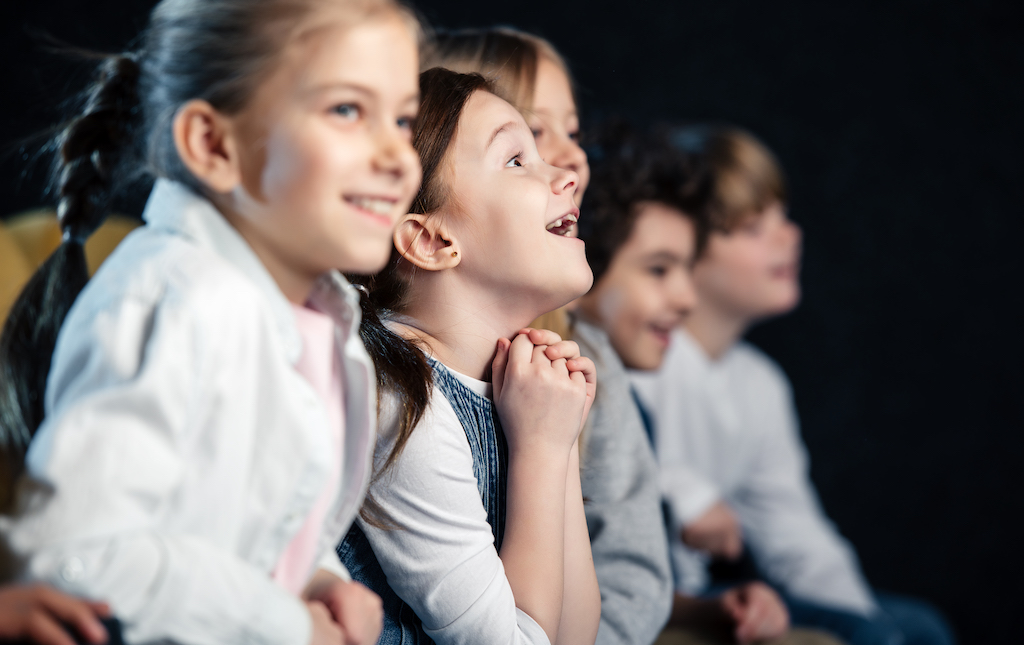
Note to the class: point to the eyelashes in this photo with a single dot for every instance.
(516, 160)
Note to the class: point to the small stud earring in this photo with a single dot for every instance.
(455, 254)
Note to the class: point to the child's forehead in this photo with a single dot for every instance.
(370, 53)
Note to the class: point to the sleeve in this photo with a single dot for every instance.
(793, 542)
(441, 559)
(624, 517)
(688, 493)
(127, 395)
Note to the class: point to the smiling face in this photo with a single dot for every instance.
(752, 272)
(647, 289)
(555, 123)
(510, 211)
(327, 166)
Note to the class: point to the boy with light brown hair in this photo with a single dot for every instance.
(734, 470)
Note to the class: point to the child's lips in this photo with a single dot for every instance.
(662, 335)
(564, 225)
(378, 208)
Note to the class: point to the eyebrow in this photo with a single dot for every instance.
(356, 87)
(664, 256)
(499, 130)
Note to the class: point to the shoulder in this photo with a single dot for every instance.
(438, 436)
(159, 294)
(759, 381)
(597, 346)
(156, 269)
(750, 360)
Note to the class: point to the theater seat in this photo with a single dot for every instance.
(38, 235)
(14, 271)
(34, 235)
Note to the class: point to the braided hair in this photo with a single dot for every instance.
(212, 50)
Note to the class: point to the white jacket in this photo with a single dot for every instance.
(181, 450)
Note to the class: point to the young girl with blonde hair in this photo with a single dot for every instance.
(205, 436)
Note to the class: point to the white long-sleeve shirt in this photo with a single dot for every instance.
(727, 430)
(181, 450)
(442, 561)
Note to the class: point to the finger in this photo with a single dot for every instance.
(563, 349)
(498, 366)
(559, 366)
(544, 337)
(577, 377)
(733, 605)
(44, 630)
(75, 613)
(748, 625)
(585, 366)
(521, 350)
(539, 357)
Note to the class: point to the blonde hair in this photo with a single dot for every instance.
(506, 57)
(743, 175)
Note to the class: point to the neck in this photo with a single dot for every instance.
(461, 323)
(715, 331)
(295, 284)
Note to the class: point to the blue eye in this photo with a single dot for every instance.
(406, 122)
(347, 111)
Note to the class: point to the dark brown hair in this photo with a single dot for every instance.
(630, 168)
(742, 176)
(214, 50)
(401, 365)
(509, 59)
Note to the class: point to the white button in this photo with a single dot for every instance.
(71, 569)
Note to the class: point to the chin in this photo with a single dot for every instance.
(646, 361)
(367, 259)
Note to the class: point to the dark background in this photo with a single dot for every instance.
(900, 126)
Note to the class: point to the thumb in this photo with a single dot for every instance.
(498, 367)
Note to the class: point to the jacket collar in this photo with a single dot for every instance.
(176, 208)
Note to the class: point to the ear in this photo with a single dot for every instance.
(206, 145)
(424, 243)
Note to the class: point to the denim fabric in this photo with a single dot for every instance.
(900, 621)
(487, 443)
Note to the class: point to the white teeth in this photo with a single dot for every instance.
(568, 221)
(378, 206)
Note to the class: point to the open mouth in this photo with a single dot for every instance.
(662, 334)
(382, 206)
(564, 225)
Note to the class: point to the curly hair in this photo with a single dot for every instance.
(630, 168)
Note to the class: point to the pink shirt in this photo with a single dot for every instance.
(319, 366)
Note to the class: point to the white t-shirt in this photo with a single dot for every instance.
(442, 562)
(727, 430)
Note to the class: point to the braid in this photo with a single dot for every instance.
(91, 149)
(94, 146)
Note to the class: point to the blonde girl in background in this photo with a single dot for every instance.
(619, 476)
(205, 436)
(476, 531)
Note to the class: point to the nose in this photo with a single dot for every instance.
(393, 153)
(683, 293)
(794, 236)
(564, 180)
(568, 154)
